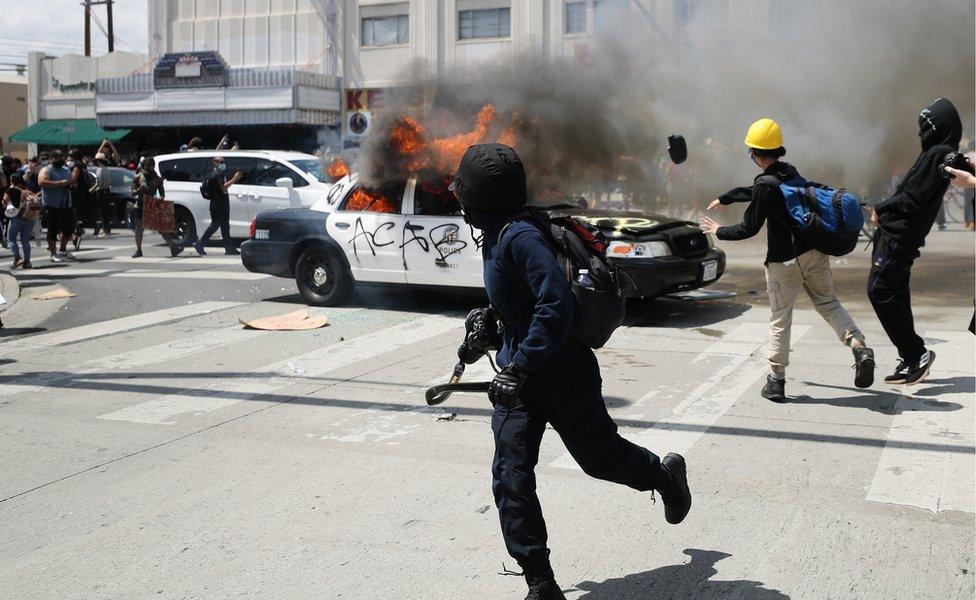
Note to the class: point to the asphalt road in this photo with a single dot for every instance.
(154, 448)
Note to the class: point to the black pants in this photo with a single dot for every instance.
(221, 220)
(570, 398)
(888, 289)
(103, 203)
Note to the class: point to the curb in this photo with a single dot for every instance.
(10, 289)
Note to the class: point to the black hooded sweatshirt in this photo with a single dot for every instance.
(766, 204)
(907, 216)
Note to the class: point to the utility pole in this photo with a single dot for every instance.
(111, 28)
(110, 33)
(87, 6)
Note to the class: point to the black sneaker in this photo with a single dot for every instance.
(138, 254)
(543, 588)
(175, 250)
(863, 366)
(901, 371)
(199, 248)
(677, 495)
(775, 389)
(918, 372)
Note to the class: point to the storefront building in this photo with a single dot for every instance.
(61, 98)
(261, 73)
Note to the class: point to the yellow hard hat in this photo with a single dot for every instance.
(764, 134)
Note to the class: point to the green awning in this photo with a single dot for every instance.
(68, 132)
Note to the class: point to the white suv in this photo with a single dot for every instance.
(272, 180)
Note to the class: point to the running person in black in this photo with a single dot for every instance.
(546, 377)
(903, 221)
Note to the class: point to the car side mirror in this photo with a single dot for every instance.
(285, 182)
(677, 148)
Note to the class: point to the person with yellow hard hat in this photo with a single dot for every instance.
(791, 263)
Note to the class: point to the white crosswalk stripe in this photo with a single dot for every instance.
(709, 401)
(269, 378)
(929, 460)
(103, 328)
(151, 274)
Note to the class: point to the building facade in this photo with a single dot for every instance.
(262, 72)
(13, 113)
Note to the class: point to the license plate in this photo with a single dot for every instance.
(262, 234)
(709, 270)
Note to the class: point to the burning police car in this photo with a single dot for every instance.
(413, 234)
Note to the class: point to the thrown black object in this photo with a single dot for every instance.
(439, 393)
(677, 148)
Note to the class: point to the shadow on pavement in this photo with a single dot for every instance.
(688, 581)
(103, 384)
(670, 312)
(12, 331)
(415, 300)
(952, 385)
(885, 402)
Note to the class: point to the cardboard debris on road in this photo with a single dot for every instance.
(57, 294)
(299, 320)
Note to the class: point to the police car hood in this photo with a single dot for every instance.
(617, 224)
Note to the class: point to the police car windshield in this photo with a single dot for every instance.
(313, 167)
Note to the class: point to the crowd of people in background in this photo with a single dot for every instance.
(48, 193)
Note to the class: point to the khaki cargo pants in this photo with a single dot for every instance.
(811, 271)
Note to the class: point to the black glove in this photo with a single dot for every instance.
(505, 387)
(481, 335)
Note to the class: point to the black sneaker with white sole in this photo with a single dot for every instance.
(863, 367)
(901, 371)
(918, 372)
(775, 389)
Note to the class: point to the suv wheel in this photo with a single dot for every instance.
(186, 228)
(321, 278)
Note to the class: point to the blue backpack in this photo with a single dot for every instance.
(829, 220)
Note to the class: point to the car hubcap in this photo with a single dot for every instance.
(320, 276)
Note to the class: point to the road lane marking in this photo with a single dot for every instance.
(206, 341)
(204, 274)
(283, 373)
(909, 472)
(103, 328)
(55, 272)
(710, 400)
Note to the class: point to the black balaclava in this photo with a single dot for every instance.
(939, 124)
(490, 183)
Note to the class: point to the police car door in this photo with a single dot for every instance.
(368, 226)
(439, 248)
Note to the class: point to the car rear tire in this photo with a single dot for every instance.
(321, 278)
(186, 228)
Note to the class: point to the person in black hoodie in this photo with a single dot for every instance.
(791, 263)
(903, 221)
(546, 376)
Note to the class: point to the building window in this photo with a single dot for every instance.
(484, 23)
(576, 17)
(386, 31)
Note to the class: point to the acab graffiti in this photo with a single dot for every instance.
(442, 241)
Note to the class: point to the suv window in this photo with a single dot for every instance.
(241, 163)
(266, 172)
(185, 169)
(432, 198)
(384, 200)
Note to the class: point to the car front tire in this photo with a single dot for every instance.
(321, 278)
